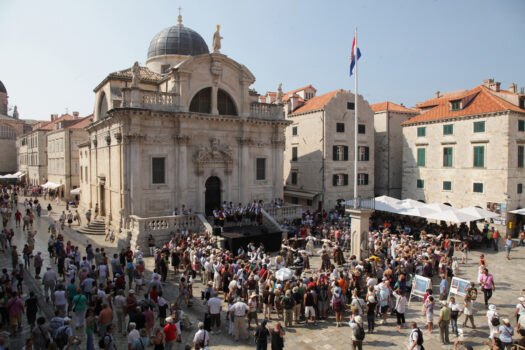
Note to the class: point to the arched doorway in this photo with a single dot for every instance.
(212, 196)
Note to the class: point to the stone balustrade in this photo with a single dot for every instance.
(266, 110)
(154, 100)
(287, 211)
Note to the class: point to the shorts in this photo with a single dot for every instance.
(507, 249)
(252, 315)
(309, 311)
(384, 309)
(13, 320)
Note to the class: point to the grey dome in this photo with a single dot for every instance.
(2, 88)
(177, 40)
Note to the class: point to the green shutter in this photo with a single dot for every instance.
(448, 129)
(479, 126)
(520, 156)
(421, 131)
(521, 125)
(479, 157)
(447, 157)
(420, 157)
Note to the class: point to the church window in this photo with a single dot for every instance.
(294, 154)
(261, 169)
(201, 102)
(158, 170)
(225, 103)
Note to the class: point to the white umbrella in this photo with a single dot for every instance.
(382, 203)
(479, 213)
(410, 203)
(420, 211)
(518, 211)
(438, 207)
(75, 191)
(452, 216)
(284, 274)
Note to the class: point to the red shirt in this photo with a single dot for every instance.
(154, 295)
(170, 332)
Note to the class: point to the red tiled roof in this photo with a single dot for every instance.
(318, 102)
(51, 124)
(441, 99)
(390, 106)
(479, 100)
(82, 122)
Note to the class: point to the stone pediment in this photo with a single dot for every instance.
(214, 153)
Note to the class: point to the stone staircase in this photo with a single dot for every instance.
(97, 227)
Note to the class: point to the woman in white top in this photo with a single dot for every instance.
(400, 308)
(490, 315)
(520, 309)
(59, 299)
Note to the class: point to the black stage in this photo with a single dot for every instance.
(240, 236)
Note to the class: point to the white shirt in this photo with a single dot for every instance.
(215, 305)
(413, 339)
(521, 309)
(132, 336)
(60, 297)
(239, 309)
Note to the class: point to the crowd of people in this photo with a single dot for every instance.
(96, 295)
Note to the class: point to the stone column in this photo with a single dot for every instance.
(214, 92)
(360, 225)
(243, 190)
(182, 168)
(277, 155)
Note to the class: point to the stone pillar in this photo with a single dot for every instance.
(243, 191)
(135, 98)
(214, 92)
(182, 169)
(359, 229)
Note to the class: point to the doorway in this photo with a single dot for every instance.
(212, 196)
(101, 206)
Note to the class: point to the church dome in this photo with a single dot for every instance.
(2, 88)
(177, 40)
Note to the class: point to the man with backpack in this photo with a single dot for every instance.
(261, 334)
(416, 338)
(62, 334)
(358, 332)
(288, 305)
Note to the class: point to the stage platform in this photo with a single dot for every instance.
(237, 236)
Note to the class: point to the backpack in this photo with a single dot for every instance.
(419, 337)
(338, 305)
(288, 303)
(101, 342)
(495, 321)
(359, 332)
(62, 338)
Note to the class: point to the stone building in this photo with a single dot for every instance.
(319, 154)
(32, 148)
(10, 128)
(388, 149)
(467, 148)
(184, 130)
(63, 155)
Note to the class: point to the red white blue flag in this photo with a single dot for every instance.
(355, 53)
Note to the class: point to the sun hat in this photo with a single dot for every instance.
(522, 299)
(168, 319)
(492, 307)
(131, 291)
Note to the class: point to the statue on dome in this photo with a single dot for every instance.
(135, 72)
(217, 40)
(15, 112)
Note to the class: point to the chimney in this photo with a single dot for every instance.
(437, 94)
(75, 115)
(494, 86)
(294, 102)
(522, 90)
(54, 117)
(487, 82)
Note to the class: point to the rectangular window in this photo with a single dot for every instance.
(520, 188)
(478, 187)
(294, 154)
(295, 200)
(340, 152)
(363, 153)
(294, 131)
(362, 179)
(350, 105)
(521, 152)
(294, 177)
(448, 129)
(447, 156)
(261, 169)
(340, 180)
(455, 105)
(158, 170)
(479, 126)
(479, 157)
(421, 157)
(361, 128)
(309, 202)
(340, 127)
(447, 185)
(521, 125)
(420, 183)
(421, 131)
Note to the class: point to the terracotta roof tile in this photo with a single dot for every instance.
(82, 122)
(479, 100)
(51, 124)
(144, 74)
(390, 106)
(318, 102)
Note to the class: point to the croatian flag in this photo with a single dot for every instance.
(355, 52)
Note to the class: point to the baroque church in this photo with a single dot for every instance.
(186, 129)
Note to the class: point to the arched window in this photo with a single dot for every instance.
(102, 106)
(7, 132)
(225, 103)
(201, 102)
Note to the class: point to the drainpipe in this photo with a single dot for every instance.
(323, 187)
(387, 153)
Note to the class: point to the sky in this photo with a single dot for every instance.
(53, 53)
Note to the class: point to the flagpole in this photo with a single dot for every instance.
(355, 122)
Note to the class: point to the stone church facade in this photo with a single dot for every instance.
(184, 130)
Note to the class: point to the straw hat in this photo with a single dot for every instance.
(492, 307)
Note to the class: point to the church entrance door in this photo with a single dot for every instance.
(212, 196)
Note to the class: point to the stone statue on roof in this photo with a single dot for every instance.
(135, 72)
(15, 112)
(217, 40)
(279, 97)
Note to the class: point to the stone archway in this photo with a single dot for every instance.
(212, 196)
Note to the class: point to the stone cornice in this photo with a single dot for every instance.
(464, 117)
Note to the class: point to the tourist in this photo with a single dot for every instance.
(416, 338)
(239, 310)
(109, 340)
(444, 322)
(142, 342)
(508, 246)
(170, 334)
(133, 334)
(454, 314)
(429, 312)
(358, 332)
(400, 308)
(253, 305)
(493, 320)
(506, 331)
(520, 309)
(32, 306)
(40, 335)
(261, 334)
(338, 304)
(201, 338)
(488, 285)
(90, 329)
(277, 335)
(15, 308)
(310, 302)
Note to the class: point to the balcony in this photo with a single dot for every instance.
(266, 111)
(154, 100)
